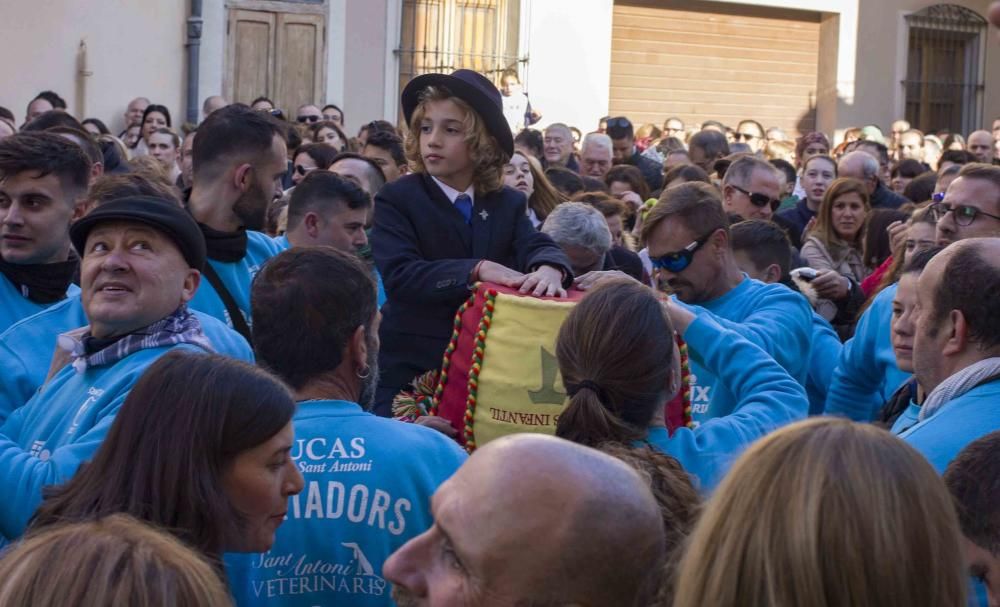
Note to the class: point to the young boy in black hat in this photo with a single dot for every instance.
(450, 224)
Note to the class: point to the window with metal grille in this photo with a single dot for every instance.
(446, 35)
(945, 69)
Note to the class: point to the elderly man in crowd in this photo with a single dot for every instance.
(558, 147)
(864, 167)
(595, 155)
(141, 263)
(582, 232)
(535, 520)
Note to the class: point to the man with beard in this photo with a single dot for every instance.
(369, 480)
(687, 234)
(239, 160)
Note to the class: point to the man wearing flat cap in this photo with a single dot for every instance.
(141, 261)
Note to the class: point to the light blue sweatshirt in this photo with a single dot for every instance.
(237, 276)
(772, 317)
(368, 487)
(948, 430)
(43, 442)
(766, 399)
(14, 306)
(907, 419)
(866, 374)
(826, 348)
(27, 347)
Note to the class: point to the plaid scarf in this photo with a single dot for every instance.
(181, 327)
(958, 384)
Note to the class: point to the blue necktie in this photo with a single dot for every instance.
(464, 205)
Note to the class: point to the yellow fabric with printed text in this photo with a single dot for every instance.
(520, 389)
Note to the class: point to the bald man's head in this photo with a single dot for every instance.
(960, 323)
(980, 145)
(861, 166)
(533, 517)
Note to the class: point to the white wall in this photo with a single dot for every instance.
(569, 71)
(134, 48)
(213, 50)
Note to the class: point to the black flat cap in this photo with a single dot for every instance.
(158, 213)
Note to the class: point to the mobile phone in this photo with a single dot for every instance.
(806, 274)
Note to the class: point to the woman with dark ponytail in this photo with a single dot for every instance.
(620, 366)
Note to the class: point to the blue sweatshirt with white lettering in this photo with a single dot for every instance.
(14, 306)
(766, 399)
(368, 487)
(43, 442)
(236, 276)
(772, 317)
(866, 374)
(26, 348)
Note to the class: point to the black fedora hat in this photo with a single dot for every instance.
(471, 87)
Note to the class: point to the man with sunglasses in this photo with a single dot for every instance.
(751, 188)
(751, 133)
(308, 114)
(688, 240)
(623, 151)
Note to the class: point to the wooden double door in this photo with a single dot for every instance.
(280, 55)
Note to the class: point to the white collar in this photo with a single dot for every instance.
(452, 193)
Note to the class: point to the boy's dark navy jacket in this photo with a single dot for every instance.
(426, 252)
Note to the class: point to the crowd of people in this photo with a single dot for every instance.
(203, 330)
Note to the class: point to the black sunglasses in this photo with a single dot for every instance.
(746, 137)
(308, 118)
(619, 123)
(678, 261)
(964, 214)
(301, 170)
(758, 199)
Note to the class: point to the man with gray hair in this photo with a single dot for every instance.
(532, 519)
(751, 188)
(582, 232)
(864, 167)
(558, 147)
(595, 155)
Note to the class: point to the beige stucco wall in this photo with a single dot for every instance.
(133, 48)
(882, 61)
